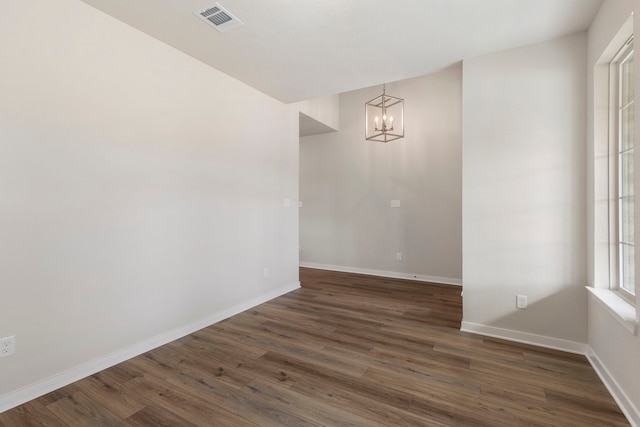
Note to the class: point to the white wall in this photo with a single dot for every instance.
(141, 191)
(325, 110)
(347, 183)
(616, 351)
(524, 192)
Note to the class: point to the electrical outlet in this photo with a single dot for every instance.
(265, 272)
(7, 346)
(521, 301)
(399, 256)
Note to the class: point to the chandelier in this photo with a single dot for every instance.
(384, 118)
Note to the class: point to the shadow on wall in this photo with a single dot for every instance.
(551, 318)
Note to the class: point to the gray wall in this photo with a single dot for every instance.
(142, 192)
(347, 183)
(524, 189)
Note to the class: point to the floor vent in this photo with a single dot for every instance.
(218, 17)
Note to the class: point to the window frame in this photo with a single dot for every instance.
(616, 108)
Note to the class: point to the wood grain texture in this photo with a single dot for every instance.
(344, 350)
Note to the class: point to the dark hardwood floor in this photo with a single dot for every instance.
(345, 350)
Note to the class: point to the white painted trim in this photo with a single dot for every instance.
(382, 273)
(30, 392)
(626, 405)
(525, 338)
(621, 310)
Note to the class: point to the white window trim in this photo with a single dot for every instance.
(605, 136)
(623, 311)
(614, 174)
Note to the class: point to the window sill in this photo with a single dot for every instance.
(622, 311)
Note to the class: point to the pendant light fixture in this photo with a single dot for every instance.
(384, 118)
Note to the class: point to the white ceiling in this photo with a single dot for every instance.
(300, 49)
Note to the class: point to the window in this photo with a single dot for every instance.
(623, 71)
(613, 285)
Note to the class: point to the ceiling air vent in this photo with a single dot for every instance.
(218, 17)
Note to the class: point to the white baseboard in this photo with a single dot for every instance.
(382, 273)
(626, 405)
(525, 338)
(62, 379)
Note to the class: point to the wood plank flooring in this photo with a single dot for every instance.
(345, 350)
